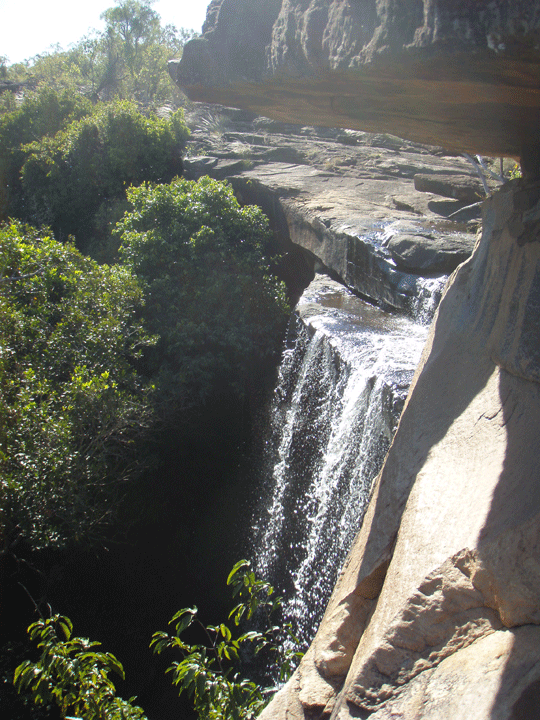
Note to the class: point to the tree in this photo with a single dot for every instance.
(212, 299)
(73, 180)
(137, 26)
(72, 406)
(127, 60)
(143, 47)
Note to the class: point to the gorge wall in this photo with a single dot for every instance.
(436, 613)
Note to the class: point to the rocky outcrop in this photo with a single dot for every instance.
(464, 75)
(348, 200)
(436, 613)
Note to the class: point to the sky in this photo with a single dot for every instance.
(29, 27)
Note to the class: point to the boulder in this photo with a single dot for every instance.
(465, 188)
(461, 75)
(424, 254)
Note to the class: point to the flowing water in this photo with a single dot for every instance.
(341, 388)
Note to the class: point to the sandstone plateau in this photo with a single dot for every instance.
(348, 201)
(436, 613)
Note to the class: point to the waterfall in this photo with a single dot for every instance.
(341, 387)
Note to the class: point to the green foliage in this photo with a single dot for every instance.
(71, 403)
(515, 172)
(127, 60)
(73, 675)
(208, 671)
(211, 297)
(42, 113)
(143, 49)
(71, 177)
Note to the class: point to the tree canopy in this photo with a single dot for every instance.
(71, 402)
(211, 296)
(127, 60)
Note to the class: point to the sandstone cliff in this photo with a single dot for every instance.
(436, 613)
(459, 74)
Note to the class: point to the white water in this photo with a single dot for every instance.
(341, 388)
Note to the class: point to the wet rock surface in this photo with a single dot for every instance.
(347, 198)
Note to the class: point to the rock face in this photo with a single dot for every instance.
(436, 613)
(348, 199)
(464, 75)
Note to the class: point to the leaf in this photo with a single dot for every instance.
(183, 619)
(251, 636)
(238, 613)
(240, 565)
(115, 665)
(225, 632)
(66, 626)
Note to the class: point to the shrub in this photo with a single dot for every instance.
(68, 178)
(209, 671)
(71, 403)
(43, 113)
(71, 674)
(74, 676)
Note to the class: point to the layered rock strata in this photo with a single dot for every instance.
(349, 200)
(464, 75)
(436, 613)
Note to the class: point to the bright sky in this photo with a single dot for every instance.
(29, 27)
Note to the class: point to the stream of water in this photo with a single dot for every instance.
(341, 388)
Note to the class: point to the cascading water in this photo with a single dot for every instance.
(341, 387)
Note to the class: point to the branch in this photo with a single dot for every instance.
(14, 278)
(467, 207)
(494, 175)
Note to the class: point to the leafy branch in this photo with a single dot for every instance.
(73, 675)
(208, 671)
